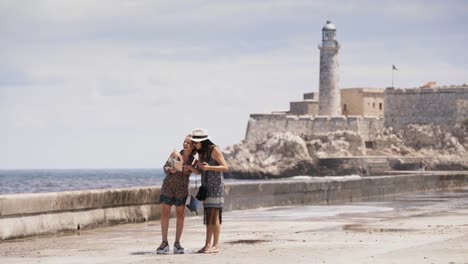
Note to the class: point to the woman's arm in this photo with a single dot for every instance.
(192, 169)
(217, 155)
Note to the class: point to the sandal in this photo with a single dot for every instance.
(178, 249)
(203, 250)
(163, 248)
(213, 250)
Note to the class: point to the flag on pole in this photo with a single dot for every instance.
(394, 68)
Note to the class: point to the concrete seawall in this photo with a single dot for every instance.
(24, 215)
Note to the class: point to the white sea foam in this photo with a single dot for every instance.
(330, 178)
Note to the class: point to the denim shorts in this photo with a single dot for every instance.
(172, 200)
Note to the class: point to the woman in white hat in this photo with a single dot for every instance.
(212, 164)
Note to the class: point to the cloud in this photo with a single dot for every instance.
(120, 83)
(11, 76)
(140, 99)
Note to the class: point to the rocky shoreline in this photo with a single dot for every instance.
(345, 152)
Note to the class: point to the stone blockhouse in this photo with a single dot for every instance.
(444, 106)
(306, 107)
(362, 101)
(309, 106)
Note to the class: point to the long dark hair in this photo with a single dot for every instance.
(204, 152)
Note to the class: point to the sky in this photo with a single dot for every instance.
(118, 84)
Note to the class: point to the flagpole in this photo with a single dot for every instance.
(392, 77)
(393, 72)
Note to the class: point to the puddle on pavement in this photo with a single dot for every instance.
(366, 229)
(248, 241)
(143, 253)
(153, 253)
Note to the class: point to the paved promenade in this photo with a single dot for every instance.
(416, 228)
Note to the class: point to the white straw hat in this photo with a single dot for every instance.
(199, 134)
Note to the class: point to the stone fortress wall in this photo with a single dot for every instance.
(439, 105)
(446, 107)
(260, 125)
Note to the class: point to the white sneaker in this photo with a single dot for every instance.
(163, 248)
(178, 249)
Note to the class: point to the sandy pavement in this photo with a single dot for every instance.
(415, 228)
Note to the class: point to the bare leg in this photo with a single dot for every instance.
(165, 214)
(180, 214)
(209, 232)
(216, 232)
(209, 235)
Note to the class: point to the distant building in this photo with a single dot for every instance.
(363, 101)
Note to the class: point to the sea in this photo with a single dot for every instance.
(57, 180)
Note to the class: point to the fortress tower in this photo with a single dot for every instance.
(329, 92)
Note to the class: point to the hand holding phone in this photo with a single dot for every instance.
(201, 165)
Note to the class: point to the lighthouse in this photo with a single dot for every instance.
(329, 91)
